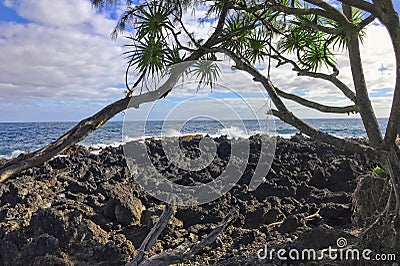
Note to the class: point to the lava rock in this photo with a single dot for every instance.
(123, 206)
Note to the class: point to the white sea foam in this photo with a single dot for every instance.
(13, 154)
(171, 133)
(286, 136)
(16, 153)
(233, 132)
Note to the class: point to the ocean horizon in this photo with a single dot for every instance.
(19, 137)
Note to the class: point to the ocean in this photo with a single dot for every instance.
(16, 138)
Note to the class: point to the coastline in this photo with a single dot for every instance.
(17, 138)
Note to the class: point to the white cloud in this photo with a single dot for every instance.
(65, 55)
(73, 63)
(53, 13)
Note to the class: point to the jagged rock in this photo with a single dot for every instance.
(123, 207)
(290, 224)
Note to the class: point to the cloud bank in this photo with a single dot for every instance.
(63, 65)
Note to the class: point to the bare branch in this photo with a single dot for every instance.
(301, 72)
(286, 10)
(315, 26)
(336, 14)
(391, 163)
(390, 18)
(301, 11)
(364, 103)
(334, 80)
(134, 86)
(360, 4)
(365, 22)
(184, 251)
(152, 237)
(183, 25)
(285, 115)
(319, 107)
(233, 34)
(343, 144)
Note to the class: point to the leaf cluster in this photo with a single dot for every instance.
(315, 48)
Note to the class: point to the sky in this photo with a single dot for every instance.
(59, 63)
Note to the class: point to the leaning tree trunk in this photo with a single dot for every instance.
(76, 134)
(86, 126)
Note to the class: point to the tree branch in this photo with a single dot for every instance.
(270, 4)
(367, 112)
(336, 14)
(331, 78)
(342, 144)
(152, 237)
(88, 125)
(360, 4)
(285, 115)
(315, 26)
(218, 29)
(334, 80)
(319, 107)
(390, 19)
(365, 22)
(185, 251)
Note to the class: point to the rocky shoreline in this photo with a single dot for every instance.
(84, 208)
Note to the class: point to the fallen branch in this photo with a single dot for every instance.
(313, 216)
(185, 251)
(275, 224)
(152, 237)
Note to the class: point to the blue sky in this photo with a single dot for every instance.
(58, 63)
(10, 15)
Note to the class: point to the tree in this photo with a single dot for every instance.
(309, 32)
(302, 33)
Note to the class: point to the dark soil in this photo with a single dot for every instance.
(85, 209)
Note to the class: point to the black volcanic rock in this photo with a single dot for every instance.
(87, 208)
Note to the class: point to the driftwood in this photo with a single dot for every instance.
(152, 237)
(184, 251)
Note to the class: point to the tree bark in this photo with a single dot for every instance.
(363, 102)
(86, 126)
(77, 133)
(285, 115)
(317, 106)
